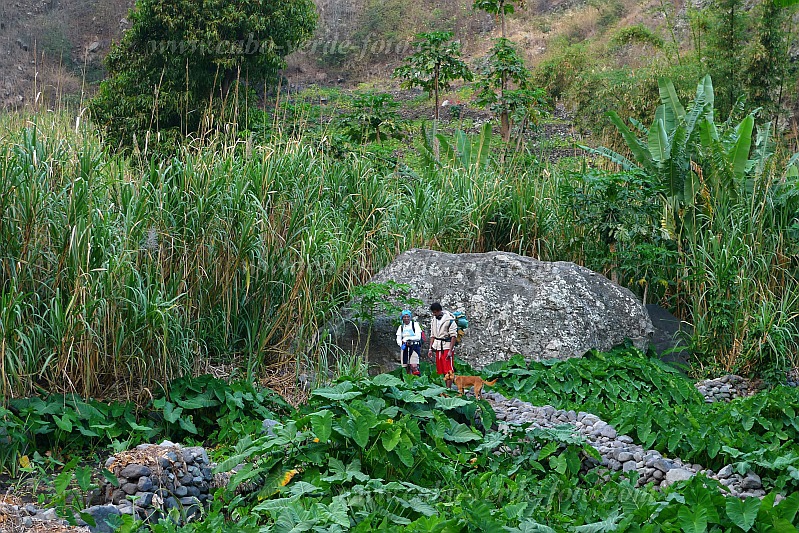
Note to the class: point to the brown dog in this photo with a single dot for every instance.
(464, 382)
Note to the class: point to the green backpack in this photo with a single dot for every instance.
(462, 323)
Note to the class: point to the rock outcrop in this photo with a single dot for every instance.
(515, 305)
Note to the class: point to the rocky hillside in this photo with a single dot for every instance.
(52, 50)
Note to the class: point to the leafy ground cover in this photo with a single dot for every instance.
(42, 432)
(659, 407)
(394, 452)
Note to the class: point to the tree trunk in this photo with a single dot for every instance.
(502, 17)
(614, 276)
(504, 120)
(435, 89)
(227, 81)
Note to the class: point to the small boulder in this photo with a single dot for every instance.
(678, 474)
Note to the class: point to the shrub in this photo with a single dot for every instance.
(180, 60)
(637, 34)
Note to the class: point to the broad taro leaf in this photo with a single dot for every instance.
(743, 513)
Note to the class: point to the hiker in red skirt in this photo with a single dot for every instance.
(443, 332)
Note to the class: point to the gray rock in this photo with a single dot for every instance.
(126, 507)
(129, 488)
(267, 426)
(27, 522)
(608, 432)
(145, 484)
(560, 310)
(626, 439)
(664, 465)
(144, 499)
(30, 509)
(725, 472)
(47, 515)
(187, 455)
(678, 474)
(752, 482)
(624, 456)
(134, 471)
(200, 455)
(181, 491)
(629, 466)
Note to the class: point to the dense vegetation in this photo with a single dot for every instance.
(177, 71)
(125, 275)
(394, 452)
(237, 252)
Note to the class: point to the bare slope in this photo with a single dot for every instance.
(52, 49)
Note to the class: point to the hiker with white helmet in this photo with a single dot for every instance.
(409, 339)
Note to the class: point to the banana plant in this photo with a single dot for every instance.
(688, 156)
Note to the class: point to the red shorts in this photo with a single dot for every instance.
(444, 361)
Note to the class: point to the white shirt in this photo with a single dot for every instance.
(409, 332)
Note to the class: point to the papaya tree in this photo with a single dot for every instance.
(373, 117)
(505, 87)
(178, 63)
(498, 8)
(434, 66)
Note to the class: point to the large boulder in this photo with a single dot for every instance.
(515, 305)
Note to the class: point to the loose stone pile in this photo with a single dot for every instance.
(726, 388)
(18, 517)
(156, 478)
(618, 451)
(792, 377)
